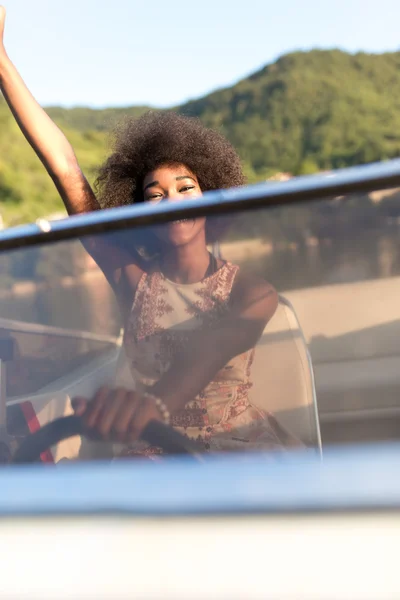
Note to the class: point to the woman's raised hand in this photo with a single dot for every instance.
(2, 22)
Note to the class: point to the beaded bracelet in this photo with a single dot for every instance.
(162, 407)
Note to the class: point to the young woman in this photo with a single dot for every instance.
(191, 321)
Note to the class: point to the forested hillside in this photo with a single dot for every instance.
(305, 112)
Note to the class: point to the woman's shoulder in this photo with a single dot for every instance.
(246, 280)
(249, 289)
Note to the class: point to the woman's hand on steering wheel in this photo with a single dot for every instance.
(116, 415)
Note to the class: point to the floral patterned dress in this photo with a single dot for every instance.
(221, 417)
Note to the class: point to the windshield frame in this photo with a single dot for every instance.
(250, 486)
(299, 190)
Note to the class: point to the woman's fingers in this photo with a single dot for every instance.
(116, 415)
(116, 404)
(2, 21)
(126, 416)
(95, 407)
(79, 405)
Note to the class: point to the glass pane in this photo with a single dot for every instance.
(51, 308)
(203, 329)
(337, 261)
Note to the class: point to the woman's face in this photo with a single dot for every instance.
(168, 184)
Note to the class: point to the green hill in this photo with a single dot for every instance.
(309, 111)
(305, 112)
(84, 119)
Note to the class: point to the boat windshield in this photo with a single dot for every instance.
(269, 330)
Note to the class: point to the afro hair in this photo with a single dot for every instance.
(161, 138)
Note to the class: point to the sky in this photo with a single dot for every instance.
(164, 52)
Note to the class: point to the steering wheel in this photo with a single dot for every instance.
(155, 433)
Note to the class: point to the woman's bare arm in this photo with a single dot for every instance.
(45, 137)
(254, 302)
(58, 157)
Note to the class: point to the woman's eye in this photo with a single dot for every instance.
(187, 188)
(154, 198)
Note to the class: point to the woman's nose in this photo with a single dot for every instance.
(172, 197)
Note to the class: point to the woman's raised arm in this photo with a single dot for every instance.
(49, 143)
